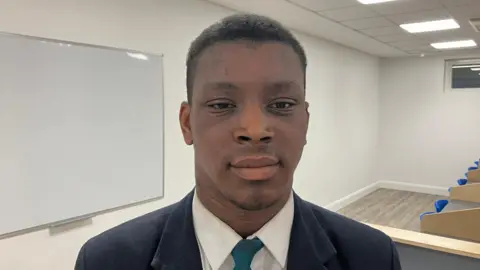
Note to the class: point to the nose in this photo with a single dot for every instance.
(254, 126)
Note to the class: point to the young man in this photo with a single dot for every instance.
(247, 120)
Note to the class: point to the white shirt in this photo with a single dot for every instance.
(216, 239)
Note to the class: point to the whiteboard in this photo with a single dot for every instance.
(81, 130)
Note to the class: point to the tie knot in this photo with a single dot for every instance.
(244, 252)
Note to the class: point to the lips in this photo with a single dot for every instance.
(255, 168)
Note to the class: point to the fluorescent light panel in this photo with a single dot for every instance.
(139, 56)
(476, 69)
(369, 2)
(454, 44)
(430, 26)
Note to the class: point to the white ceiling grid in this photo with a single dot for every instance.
(381, 21)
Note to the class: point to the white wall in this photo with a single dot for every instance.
(342, 90)
(427, 136)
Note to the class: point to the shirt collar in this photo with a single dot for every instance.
(217, 239)
(275, 235)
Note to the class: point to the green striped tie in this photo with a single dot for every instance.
(244, 252)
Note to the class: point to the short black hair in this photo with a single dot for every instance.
(250, 27)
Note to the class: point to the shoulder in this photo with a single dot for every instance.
(355, 240)
(131, 242)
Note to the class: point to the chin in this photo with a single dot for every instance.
(252, 205)
(255, 200)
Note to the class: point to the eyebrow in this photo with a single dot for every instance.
(223, 86)
(273, 88)
(281, 87)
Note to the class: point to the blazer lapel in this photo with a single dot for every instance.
(310, 247)
(178, 247)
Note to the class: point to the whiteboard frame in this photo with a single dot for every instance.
(90, 216)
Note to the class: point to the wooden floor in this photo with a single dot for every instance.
(393, 208)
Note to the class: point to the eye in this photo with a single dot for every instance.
(221, 106)
(281, 105)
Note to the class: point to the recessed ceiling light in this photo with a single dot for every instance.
(369, 2)
(430, 26)
(454, 44)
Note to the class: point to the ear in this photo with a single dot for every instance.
(184, 117)
(307, 105)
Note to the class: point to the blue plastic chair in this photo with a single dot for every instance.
(462, 182)
(476, 163)
(440, 204)
(472, 168)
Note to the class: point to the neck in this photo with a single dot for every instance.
(243, 222)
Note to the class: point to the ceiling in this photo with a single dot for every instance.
(370, 28)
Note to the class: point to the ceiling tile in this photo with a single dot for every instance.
(414, 52)
(368, 23)
(318, 5)
(449, 35)
(406, 6)
(427, 51)
(383, 31)
(466, 11)
(410, 44)
(455, 3)
(349, 13)
(437, 14)
(424, 50)
(396, 37)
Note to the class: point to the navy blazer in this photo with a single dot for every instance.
(165, 240)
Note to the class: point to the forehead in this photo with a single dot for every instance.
(248, 62)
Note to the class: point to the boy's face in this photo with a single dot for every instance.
(248, 121)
